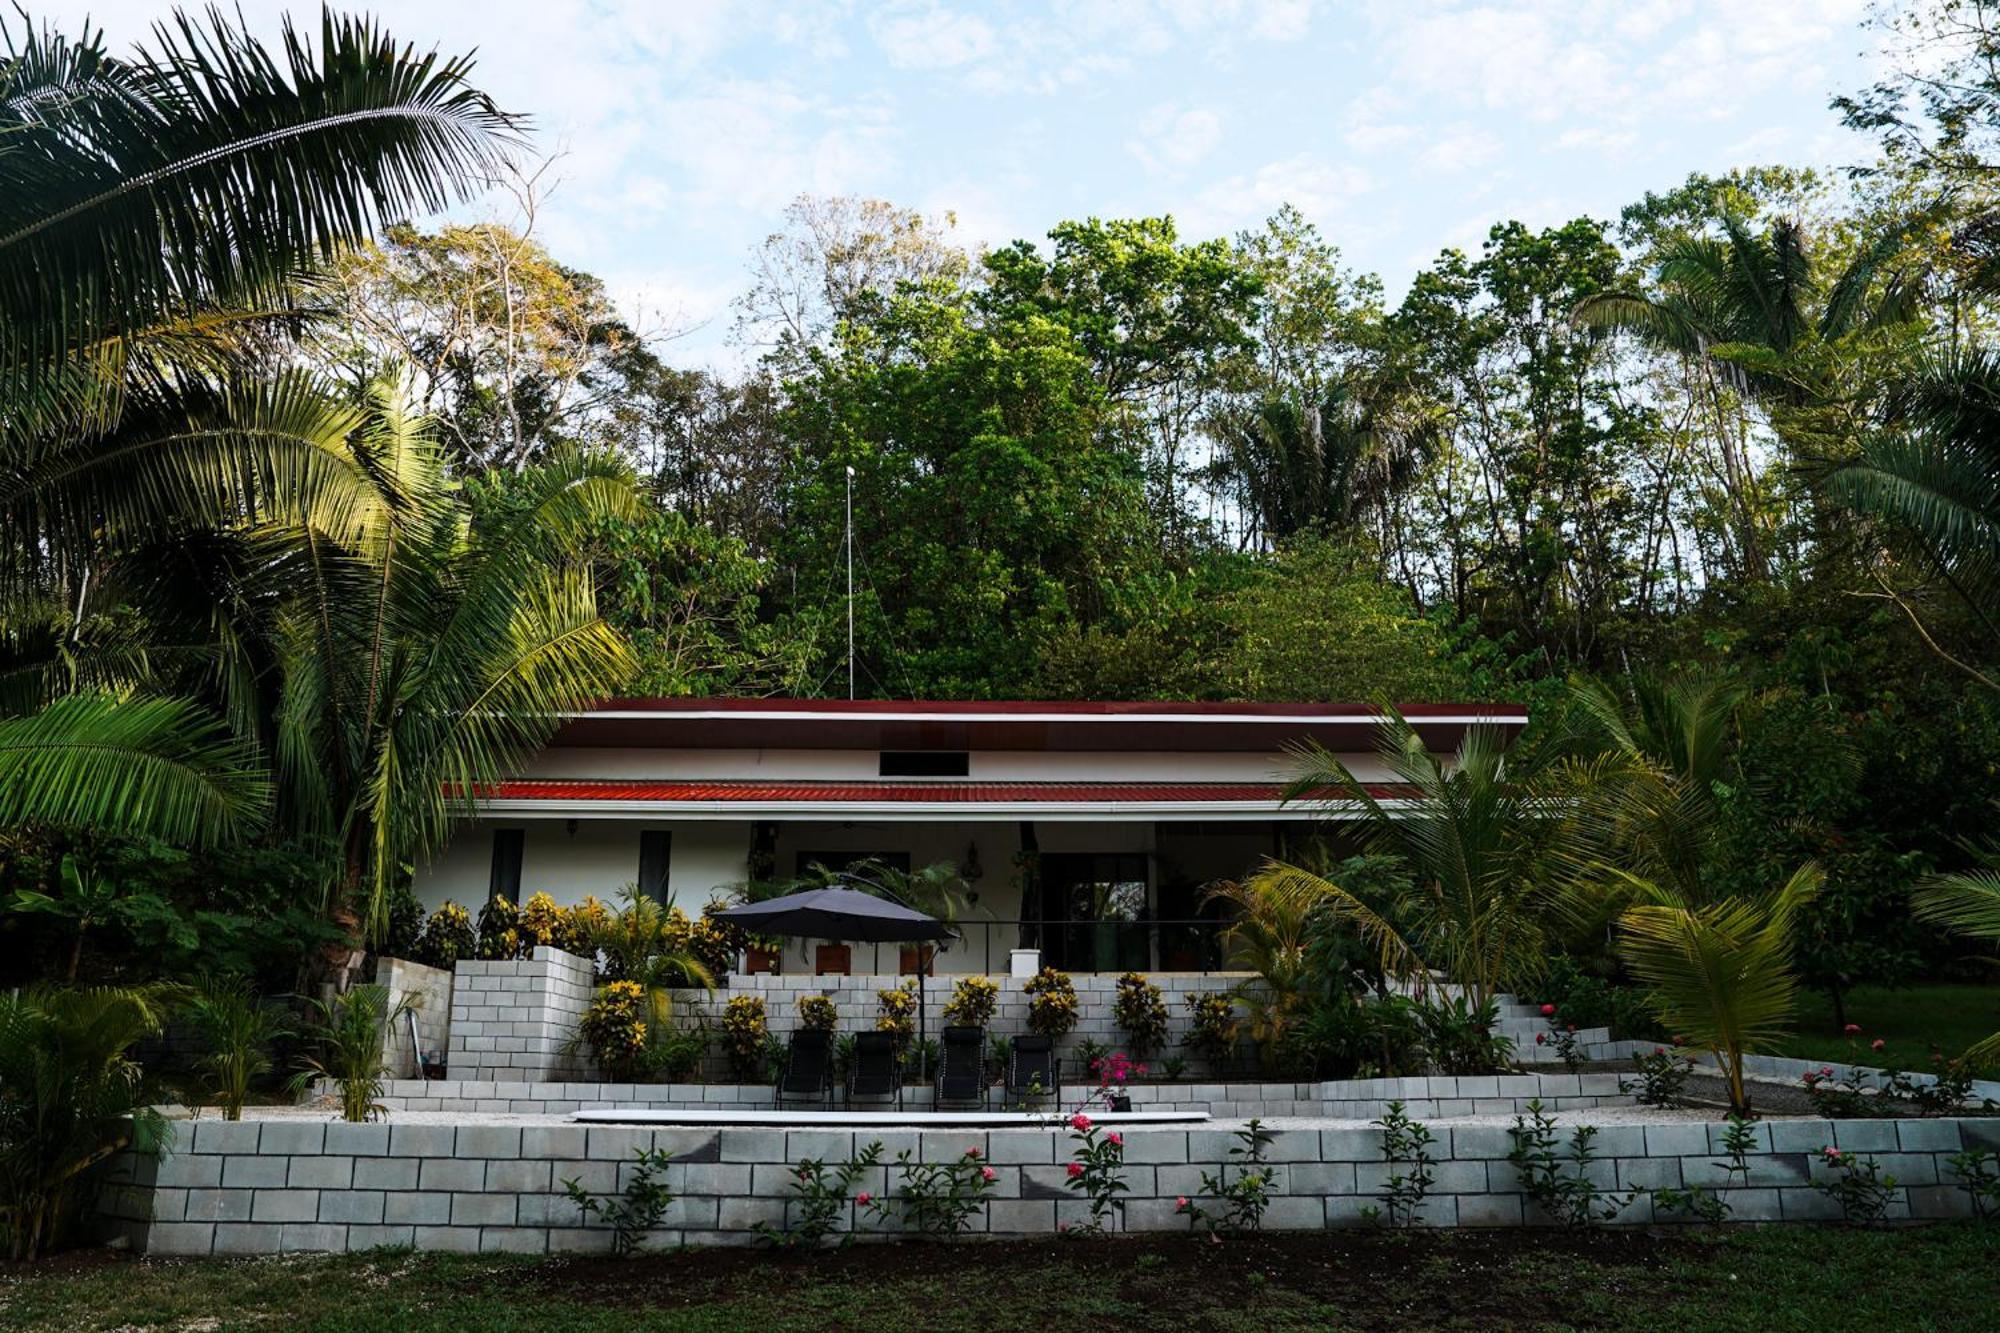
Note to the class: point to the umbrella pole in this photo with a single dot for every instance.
(923, 1056)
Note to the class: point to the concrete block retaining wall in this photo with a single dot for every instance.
(513, 1019)
(1350, 1099)
(428, 990)
(263, 1187)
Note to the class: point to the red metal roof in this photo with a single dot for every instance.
(777, 793)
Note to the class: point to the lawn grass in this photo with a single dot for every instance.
(1937, 1277)
(1913, 1021)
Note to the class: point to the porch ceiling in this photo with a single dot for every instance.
(911, 800)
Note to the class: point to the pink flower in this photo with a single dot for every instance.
(973, 1153)
(1826, 1071)
(1180, 1201)
(1141, 1070)
(988, 1174)
(1080, 1123)
(1680, 1040)
(1062, 1228)
(1659, 1050)
(863, 1198)
(1548, 1011)
(1852, 1028)
(1541, 1039)
(1877, 1044)
(1075, 1170)
(1117, 1140)
(1832, 1153)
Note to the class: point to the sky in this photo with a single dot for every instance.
(681, 128)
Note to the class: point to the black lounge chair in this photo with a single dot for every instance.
(961, 1073)
(877, 1070)
(808, 1071)
(1033, 1067)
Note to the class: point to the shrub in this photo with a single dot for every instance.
(1097, 1171)
(1978, 1172)
(1458, 1036)
(1140, 1010)
(580, 926)
(1574, 1199)
(634, 1212)
(714, 944)
(1242, 1201)
(1856, 1184)
(1663, 1077)
(541, 924)
(938, 1199)
(1212, 1034)
(898, 1012)
(349, 1031)
(615, 1029)
(69, 1098)
(972, 1002)
(822, 1197)
(1406, 1144)
(448, 936)
(1052, 1010)
(237, 1031)
(818, 1013)
(1596, 1002)
(499, 929)
(744, 1032)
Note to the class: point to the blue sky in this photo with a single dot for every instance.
(683, 128)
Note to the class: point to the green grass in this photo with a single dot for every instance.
(1913, 1021)
(1940, 1277)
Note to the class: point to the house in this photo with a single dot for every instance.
(1087, 830)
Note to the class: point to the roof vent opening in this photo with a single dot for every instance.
(925, 764)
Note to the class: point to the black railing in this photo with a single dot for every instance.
(984, 945)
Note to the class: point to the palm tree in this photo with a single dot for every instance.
(1752, 316)
(1719, 965)
(1477, 830)
(1933, 478)
(435, 651)
(1968, 903)
(1269, 935)
(155, 214)
(72, 1098)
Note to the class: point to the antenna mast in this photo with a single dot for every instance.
(850, 583)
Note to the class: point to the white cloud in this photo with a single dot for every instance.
(1460, 151)
(933, 38)
(1589, 138)
(1174, 140)
(1321, 190)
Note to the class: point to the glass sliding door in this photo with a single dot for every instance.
(1094, 911)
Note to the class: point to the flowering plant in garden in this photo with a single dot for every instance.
(972, 1002)
(1978, 1172)
(499, 929)
(1240, 1202)
(744, 1029)
(1140, 1009)
(1052, 1007)
(818, 1013)
(1856, 1183)
(448, 936)
(614, 1027)
(1663, 1077)
(578, 927)
(1213, 1032)
(935, 1199)
(540, 923)
(822, 1198)
(898, 1012)
(1096, 1170)
(1406, 1144)
(1562, 1036)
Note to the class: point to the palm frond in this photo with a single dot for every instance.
(160, 767)
(205, 171)
(1966, 903)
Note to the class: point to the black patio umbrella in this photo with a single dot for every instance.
(845, 914)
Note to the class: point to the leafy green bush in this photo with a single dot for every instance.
(69, 1098)
(1140, 1010)
(1212, 1034)
(238, 1031)
(1052, 1010)
(349, 1032)
(744, 1033)
(972, 1002)
(448, 936)
(818, 1013)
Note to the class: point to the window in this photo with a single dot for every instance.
(655, 856)
(504, 881)
(1094, 910)
(925, 764)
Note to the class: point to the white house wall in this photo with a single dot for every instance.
(601, 858)
(984, 765)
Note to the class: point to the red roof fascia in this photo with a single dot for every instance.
(1053, 793)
